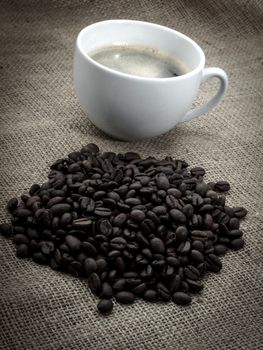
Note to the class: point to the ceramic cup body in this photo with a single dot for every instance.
(130, 107)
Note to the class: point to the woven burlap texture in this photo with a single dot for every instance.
(41, 121)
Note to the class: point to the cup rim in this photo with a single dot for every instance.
(199, 67)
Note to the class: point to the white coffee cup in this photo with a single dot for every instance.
(130, 107)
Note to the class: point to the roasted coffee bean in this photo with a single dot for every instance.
(220, 249)
(101, 265)
(184, 260)
(91, 148)
(73, 242)
(105, 306)
(146, 191)
(175, 283)
(162, 181)
(194, 286)
(223, 240)
(184, 287)
(57, 256)
(201, 268)
(12, 204)
(222, 186)
(175, 192)
(171, 201)
(163, 292)
(188, 210)
(39, 258)
(147, 272)
(33, 189)
(139, 289)
(22, 251)
(66, 219)
(94, 283)
(89, 248)
(181, 298)
(148, 226)
(113, 254)
(192, 272)
(16, 229)
(102, 212)
(119, 284)
(197, 256)
(177, 216)
(74, 268)
(158, 265)
(181, 233)
(120, 219)
(59, 209)
(184, 247)
(82, 257)
(46, 234)
(213, 263)
(133, 246)
(229, 211)
(25, 197)
(51, 202)
(234, 224)
(125, 297)
(22, 213)
(90, 266)
(137, 215)
(120, 264)
(157, 245)
(237, 243)
(159, 210)
(198, 171)
(173, 261)
(47, 248)
(5, 230)
(20, 238)
(132, 201)
(150, 295)
(106, 291)
(132, 282)
(224, 230)
(57, 193)
(152, 216)
(105, 227)
(81, 224)
(142, 239)
(200, 235)
(130, 194)
(198, 245)
(206, 208)
(118, 243)
(208, 221)
(99, 195)
(201, 188)
(130, 274)
(239, 212)
(33, 245)
(235, 234)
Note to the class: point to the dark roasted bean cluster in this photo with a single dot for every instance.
(134, 227)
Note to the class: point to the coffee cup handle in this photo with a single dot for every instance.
(207, 74)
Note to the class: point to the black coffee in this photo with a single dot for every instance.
(139, 60)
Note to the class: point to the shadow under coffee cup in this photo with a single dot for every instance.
(129, 104)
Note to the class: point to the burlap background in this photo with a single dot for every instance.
(41, 121)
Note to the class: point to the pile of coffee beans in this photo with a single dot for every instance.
(134, 227)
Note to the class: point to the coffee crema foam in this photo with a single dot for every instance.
(139, 60)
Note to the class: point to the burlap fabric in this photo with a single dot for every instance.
(41, 121)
